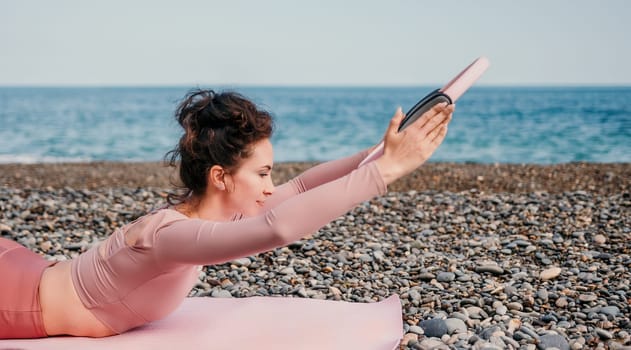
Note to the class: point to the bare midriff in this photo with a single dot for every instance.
(63, 312)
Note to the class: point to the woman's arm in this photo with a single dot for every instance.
(202, 242)
(194, 241)
(315, 176)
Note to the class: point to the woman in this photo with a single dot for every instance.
(227, 208)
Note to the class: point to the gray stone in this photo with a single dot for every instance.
(459, 316)
(414, 295)
(434, 344)
(552, 340)
(434, 327)
(455, 325)
(464, 278)
(489, 346)
(526, 329)
(365, 258)
(379, 255)
(487, 333)
(515, 306)
(609, 310)
(542, 294)
(476, 312)
(521, 336)
(288, 271)
(494, 269)
(446, 276)
(510, 290)
(586, 298)
(426, 276)
(416, 330)
(242, 262)
(603, 334)
(221, 294)
(501, 310)
(510, 341)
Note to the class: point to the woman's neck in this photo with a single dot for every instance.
(209, 207)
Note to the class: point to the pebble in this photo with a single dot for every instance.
(455, 325)
(476, 312)
(527, 330)
(513, 324)
(576, 344)
(521, 336)
(433, 344)
(587, 297)
(494, 269)
(612, 311)
(561, 302)
(553, 340)
(426, 276)
(221, 294)
(446, 277)
(603, 334)
(600, 239)
(501, 310)
(542, 294)
(242, 262)
(434, 328)
(409, 339)
(550, 273)
(515, 306)
(490, 332)
(417, 330)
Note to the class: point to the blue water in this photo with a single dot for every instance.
(491, 124)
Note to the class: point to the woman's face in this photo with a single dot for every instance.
(252, 183)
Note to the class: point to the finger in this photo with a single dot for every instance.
(435, 122)
(427, 116)
(395, 121)
(439, 135)
(432, 134)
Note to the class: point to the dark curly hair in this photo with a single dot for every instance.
(219, 129)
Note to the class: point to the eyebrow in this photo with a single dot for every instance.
(267, 167)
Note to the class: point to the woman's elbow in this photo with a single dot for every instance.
(286, 235)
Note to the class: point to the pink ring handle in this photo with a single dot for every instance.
(454, 89)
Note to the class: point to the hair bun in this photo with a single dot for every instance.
(188, 111)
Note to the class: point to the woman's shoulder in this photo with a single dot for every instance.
(142, 231)
(165, 214)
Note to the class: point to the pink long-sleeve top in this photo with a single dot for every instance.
(127, 286)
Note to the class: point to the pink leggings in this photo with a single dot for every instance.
(20, 274)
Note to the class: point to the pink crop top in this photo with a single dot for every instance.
(132, 285)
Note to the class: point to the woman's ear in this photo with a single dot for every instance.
(216, 177)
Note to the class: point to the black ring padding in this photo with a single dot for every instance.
(425, 104)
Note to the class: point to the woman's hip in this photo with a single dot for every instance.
(20, 310)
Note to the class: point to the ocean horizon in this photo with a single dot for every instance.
(492, 124)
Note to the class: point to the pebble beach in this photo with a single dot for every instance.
(482, 256)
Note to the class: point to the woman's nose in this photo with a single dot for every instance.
(269, 188)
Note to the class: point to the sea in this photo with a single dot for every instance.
(536, 125)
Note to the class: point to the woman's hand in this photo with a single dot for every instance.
(406, 150)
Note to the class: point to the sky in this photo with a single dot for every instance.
(312, 43)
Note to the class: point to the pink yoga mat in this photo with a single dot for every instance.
(454, 89)
(251, 323)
